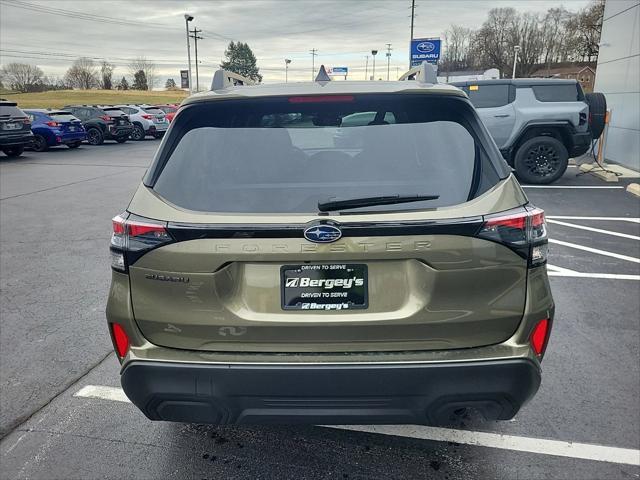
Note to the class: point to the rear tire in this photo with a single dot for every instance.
(40, 143)
(95, 136)
(74, 144)
(597, 110)
(159, 135)
(541, 160)
(122, 139)
(13, 151)
(138, 133)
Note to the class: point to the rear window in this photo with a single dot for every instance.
(153, 111)
(487, 96)
(114, 112)
(10, 111)
(62, 116)
(285, 155)
(168, 109)
(557, 93)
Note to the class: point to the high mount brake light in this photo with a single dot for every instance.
(321, 99)
(132, 237)
(524, 231)
(53, 124)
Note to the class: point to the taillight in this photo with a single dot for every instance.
(147, 117)
(106, 118)
(120, 340)
(539, 337)
(132, 237)
(26, 121)
(524, 231)
(53, 124)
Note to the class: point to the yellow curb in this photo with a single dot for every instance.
(634, 188)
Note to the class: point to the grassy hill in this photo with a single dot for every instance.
(59, 98)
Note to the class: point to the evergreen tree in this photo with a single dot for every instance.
(241, 60)
(123, 85)
(140, 81)
(171, 84)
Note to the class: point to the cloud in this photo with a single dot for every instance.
(51, 34)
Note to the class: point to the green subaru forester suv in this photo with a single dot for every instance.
(332, 253)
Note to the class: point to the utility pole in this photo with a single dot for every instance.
(187, 19)
(313, 63)
(388, 59)
(196, 37)
(413, 14)
(366, 68)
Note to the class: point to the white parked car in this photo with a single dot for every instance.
(147, 121)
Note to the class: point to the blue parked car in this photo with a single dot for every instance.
(55, 127)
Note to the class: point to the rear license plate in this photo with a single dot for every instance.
(11, 126)
(324, 286)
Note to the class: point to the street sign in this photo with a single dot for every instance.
(342, 71)
(184, 78)
(425, 49)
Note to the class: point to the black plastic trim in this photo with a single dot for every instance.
(466, 226)
(422, 393)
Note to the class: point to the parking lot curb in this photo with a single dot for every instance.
(634, 188)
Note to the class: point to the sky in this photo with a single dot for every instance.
(52, 33)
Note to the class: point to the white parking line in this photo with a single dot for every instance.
(579, 187)
(557, 269)
(595, 250)
(542, 446)
(612, 219)
(604, 276)
(481, 439)
(106, 393)
(591, 229)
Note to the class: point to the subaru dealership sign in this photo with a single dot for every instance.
(425, 49)
(338, 71)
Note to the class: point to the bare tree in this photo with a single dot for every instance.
(493, 43)
(148, 67)
(457, 42)
(106, 75)
(21, 77)
(588, 27)
(83, 74)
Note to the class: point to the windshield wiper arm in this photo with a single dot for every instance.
(332, 205)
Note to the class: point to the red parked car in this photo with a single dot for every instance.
(169, 110)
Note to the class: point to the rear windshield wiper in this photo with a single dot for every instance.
(332, 205)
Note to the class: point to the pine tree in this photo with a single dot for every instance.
(140, 81)
(241, 60)
(123, 85)
(170, 84)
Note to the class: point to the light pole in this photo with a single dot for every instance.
(187, 19)
(388, 59)
(287, 61)
(366, 67)
(313, 53)
(374, 53)
(516, 49)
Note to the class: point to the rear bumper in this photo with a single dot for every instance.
(425, 393)
(17, 139)
(118, 131)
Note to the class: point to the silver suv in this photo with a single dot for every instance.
(538, 123)
(147, 121)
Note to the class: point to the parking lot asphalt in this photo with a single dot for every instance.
(63, 416)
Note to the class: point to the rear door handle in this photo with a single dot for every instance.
(504, 115)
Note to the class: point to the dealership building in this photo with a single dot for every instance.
(618, 77)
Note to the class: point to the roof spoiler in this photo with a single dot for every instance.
(423, 73)
(224, 78)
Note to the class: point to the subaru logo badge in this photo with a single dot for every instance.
(425, 47)
(322, 233)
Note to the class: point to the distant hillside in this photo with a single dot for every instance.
(60, 98)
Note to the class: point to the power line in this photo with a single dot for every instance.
(74, 14)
